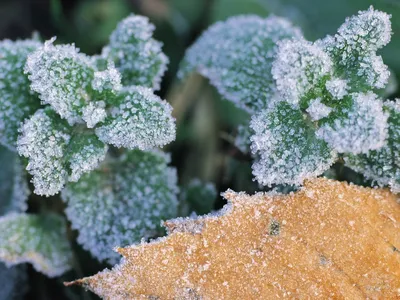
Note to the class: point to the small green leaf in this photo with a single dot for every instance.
(286, 148)
(56, 151)
(38, 239)
(62, 77)
(358, 124)
(383, 165)
(139, 119)
(17, 100)
(198, 197)
(14, 188)
(122, 202)
(237, 55)
(136, 54)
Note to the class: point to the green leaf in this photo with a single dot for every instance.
(122, 202)
(286, 148)
(14, 188)
(13, 282)
(56, 151)
(38, 239)
(139, 119)
(17, 100)
(198, 197)
(136, 54)
(358, 124)
(62, 77)
(383, 165)
(237, 55)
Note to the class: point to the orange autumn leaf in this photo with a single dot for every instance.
(329, 240)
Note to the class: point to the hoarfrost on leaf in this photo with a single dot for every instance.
(299, 66)
(56, 152)
(137, 56)
(17, 100)
(382, 165)
(286, 148)
(14, 188)
(337, 88)
(122, 202)
(237, 55)
(357, 127)
(139, 119)
(38, 239)
(317, 110)
(62, 76)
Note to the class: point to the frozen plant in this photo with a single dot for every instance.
(63, 116)
(311, 103)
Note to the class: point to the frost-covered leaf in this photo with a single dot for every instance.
(139, 119)
(136, 54)
(38, 239)
(62, 76)
(197, 197)
(237, 55)
(357, 126)
(286, 147)
(13, 282)
(354, 48)
(298, 67)
(122, 202)
(17, 100)
(56, 152)
(329, 240)
(14, 190)
(383, 165)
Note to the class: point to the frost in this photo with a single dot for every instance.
(14, 188)
(359, 127)
(337, 88)
(318, 110)
(122, 202)
(237, 55)
(56, 153)
(382, 165)
(109, 79)
(354, 48)
(298, 67)
(38, 239)
(94, 113)
(136, 54)
(286, 146)
(17, 100)
(61, 76)
(140, 120)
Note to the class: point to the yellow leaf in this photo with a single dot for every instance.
(329, 240)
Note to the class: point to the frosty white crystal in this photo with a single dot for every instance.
(317, 110)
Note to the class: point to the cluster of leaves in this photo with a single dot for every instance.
(63, 114)
(311, 103)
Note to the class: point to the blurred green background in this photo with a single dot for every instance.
(207, 124)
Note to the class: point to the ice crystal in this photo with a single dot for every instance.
(287, 148)
(61, 75)
(337, 88)
(17, 100)
(318, 110)
(137, 56)
(94, 113)
(359, 127)
(14, 188)
(38, 239)
(109, 79)
(237, 55)
(140, 119)
(56, 153)
(122, 202)
(298, 67)
(382, 165)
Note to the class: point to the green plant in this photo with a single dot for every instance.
(312, 103)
